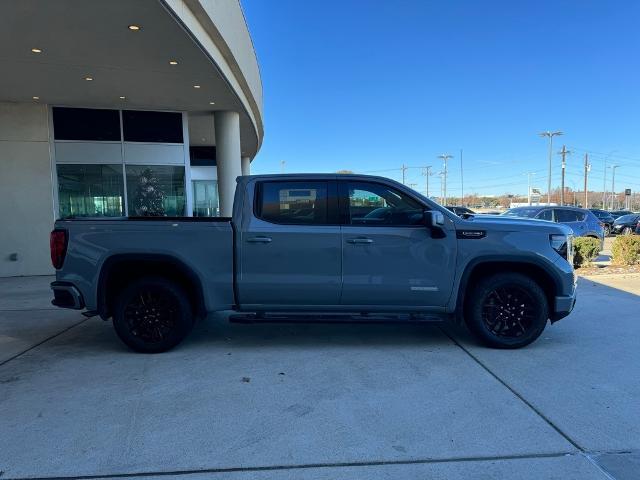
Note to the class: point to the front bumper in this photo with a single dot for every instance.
(564, 302)
(66, 295)
(563, 306)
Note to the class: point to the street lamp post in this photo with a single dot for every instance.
(613, 184)
(604, 189)
(445, 158)
(550, 135)
(528, 174)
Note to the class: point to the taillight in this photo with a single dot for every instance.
(58, 244)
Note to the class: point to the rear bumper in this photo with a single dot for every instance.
(66, 295)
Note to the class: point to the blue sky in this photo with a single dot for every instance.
(370, 85)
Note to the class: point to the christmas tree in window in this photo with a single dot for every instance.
(149, 197)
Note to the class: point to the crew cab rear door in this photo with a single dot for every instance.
(289, 245)
(389, 256)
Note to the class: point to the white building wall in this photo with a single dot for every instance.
(26, 201)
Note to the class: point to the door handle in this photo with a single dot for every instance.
(360, 240)
(259, 240)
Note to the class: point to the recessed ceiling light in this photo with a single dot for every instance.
(173, 62)
(36, 50)
(134, 28)
(122, 97)
(36, 98)
(88, 79)
(196, 86)
(212, 103)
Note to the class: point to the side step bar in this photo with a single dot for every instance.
(333, 318)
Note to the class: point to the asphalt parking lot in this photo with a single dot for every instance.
(270, 401)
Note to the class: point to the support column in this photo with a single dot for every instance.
(227, 130)
(246, 165)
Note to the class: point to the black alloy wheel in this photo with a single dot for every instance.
(152, 315)
(509, 311)
(506, 310)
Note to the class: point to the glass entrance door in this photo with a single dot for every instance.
(205, 198)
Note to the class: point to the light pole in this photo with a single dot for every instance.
(604, 189)
(613, 184)
(426, 171)
(528, 174)
(550, 135)
(445, 158)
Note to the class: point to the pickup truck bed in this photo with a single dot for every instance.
(198, 248)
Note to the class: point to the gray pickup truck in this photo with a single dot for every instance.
(316, 245)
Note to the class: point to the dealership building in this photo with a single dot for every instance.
(111, 108)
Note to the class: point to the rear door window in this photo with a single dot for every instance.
(568, 216)
(545, 215)
(295, 203)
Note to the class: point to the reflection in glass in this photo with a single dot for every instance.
(155, 190)
(205, 198)
(90, 191)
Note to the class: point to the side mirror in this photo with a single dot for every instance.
(433, 219)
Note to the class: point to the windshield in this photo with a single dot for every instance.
(522, 212)
(627, 218)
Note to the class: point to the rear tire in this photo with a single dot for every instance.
(607, 230)
(152, 315)
(507, 310)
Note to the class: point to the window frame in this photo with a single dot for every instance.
(332, 202)
(344, 204)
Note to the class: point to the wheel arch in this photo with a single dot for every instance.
(120, 270)
(533, 268)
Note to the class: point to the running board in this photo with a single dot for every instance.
(334, 318)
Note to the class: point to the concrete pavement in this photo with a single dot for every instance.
(319, 401)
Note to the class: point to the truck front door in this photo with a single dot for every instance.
(289, 245)
(389, 255)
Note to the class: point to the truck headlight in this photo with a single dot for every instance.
(563, 244)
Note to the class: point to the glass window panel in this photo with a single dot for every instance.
(294, 202)
(86, 124)
(202, 156)
(545, 215)
(374, 204)
(566, 216)
(157, 127)
(205, 198)
(90, 191)
(155, 190)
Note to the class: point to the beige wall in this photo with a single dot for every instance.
(220, 28)
(26, 202)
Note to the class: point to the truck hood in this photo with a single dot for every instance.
(512, 224)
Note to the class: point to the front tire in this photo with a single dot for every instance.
(607, 230)
(507, 310)
(152, 315)
(627, 231)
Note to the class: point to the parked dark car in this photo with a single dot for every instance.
(460, 211)
(619, 213)
(606, 218)
(582, 222)
(626, 224)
